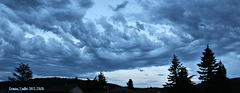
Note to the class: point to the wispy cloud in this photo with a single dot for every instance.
(120, 6)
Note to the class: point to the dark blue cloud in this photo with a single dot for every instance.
(160, 74)
(25, 30)
(86, 3)
(119, 17)
(205, 22)
(26, 5)
(139, 26)
(120, 6)
(54, 39)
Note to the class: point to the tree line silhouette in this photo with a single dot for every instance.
(212, 75)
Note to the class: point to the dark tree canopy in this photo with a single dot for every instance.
(101, 79)
(130, 84)
(221, 82)
(212, 74)
(174, 70)
(184, 81)
(221, 72)
(179, 81)
(22, 73)
(208, 66)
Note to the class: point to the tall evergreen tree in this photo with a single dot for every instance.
(101, 79)
(184, 80)
(184, 84)
(174, 70)
(23, 73)
(222, 84)
(130, 84)
(221, 72)
(208, 66)
(179, 81)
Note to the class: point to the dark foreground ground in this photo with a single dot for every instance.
(67, 85)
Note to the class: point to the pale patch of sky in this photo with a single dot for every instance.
(99, 9)
(141, 77)
(102, 8)
(46, 35)
(133, 8)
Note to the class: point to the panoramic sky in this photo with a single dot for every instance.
(125, 39)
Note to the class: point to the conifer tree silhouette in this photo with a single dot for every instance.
(102, 80)
(23, 73)
(221, 72)
(179, 81)
(184, 79)
(184, 83)
(174, 70)
(212, 74)
(221, 82)
(208, 66)
(130, 84)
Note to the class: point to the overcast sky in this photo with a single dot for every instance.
(125, 39)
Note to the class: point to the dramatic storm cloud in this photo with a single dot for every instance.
(72, 38)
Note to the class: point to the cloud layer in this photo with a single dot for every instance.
(56, 37)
